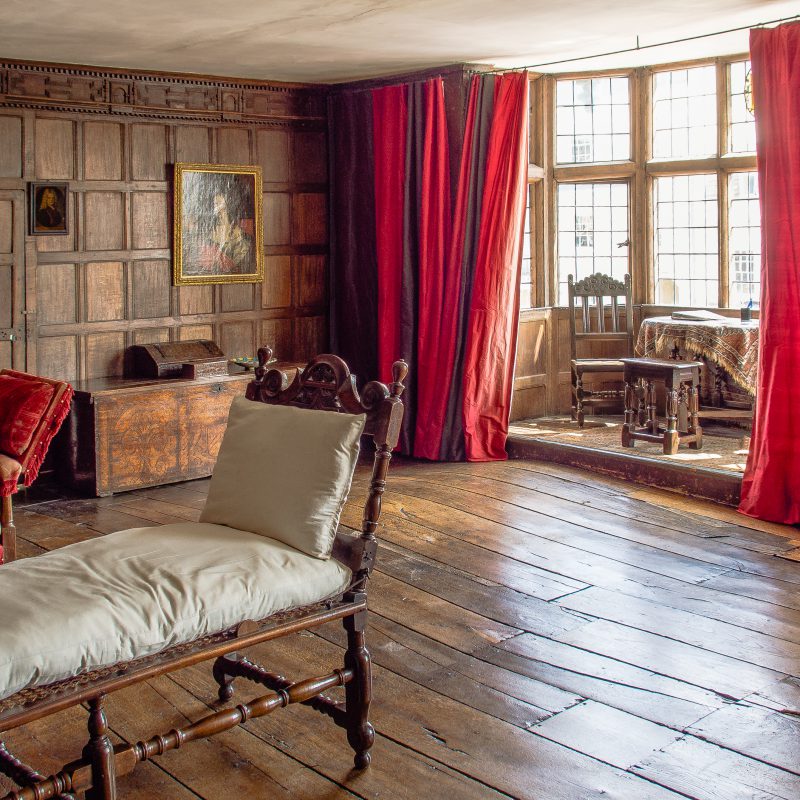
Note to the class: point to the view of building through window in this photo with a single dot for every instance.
(686, 251)
(592, 231)
(592, 120)
(744, 238)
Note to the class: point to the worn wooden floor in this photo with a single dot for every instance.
(537, 632)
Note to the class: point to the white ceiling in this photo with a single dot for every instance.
(313, 40)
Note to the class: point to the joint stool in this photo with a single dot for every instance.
(681, 381)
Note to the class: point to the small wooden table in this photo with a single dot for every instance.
(681, 381)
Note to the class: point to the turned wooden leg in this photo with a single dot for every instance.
(631, 403)
(573, 389)
(640, 399)
(671, 433)
(8, 533)
(579, 399)
(223, 678)
(358, 692)
(100, 753)
(716, 395)
(694, 419)
(652, 408)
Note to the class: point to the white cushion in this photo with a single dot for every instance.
(136, 592)
(284, 472)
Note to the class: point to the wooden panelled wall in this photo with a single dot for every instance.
(113, 136)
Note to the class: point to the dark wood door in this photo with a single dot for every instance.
(12, 280)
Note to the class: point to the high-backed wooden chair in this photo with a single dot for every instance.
(606, 324)
(31, 412)
(188, 592)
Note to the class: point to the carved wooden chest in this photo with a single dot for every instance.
(126, 434)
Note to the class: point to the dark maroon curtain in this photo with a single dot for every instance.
(353, 271)
(390, 121)
(771, 485)
(428, 253)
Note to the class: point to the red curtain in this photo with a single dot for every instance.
(492, 337)
(771, 485)
(447, 286)
(438, 285)
(389, 122)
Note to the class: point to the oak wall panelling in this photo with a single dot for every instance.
(114, 136)
(12, 280)
(532, 364)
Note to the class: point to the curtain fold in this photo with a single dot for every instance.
(771, 484)
(390, 121)
(466, 231)
(494, 312)
(353, 257)
(437, 284)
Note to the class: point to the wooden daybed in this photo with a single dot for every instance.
(168, 583)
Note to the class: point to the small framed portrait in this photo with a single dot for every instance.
(48, 209)
(219, 229)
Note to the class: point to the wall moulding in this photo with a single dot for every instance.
(85, 89)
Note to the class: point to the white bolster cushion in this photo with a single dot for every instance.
(137, 592)
(284, 472)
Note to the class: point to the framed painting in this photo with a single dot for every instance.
(48, 209)
(219, 228)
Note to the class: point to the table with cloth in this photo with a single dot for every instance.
(727, 345)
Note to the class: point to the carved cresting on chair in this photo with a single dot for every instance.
(600, 324)
(325, 385)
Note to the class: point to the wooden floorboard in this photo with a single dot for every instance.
(537, 632)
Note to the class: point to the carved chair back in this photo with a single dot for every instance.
(607, 319)
(326, 384)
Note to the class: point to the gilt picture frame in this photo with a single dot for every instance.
(48, 205)
(218, 224)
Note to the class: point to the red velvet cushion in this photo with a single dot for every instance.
(22, 404)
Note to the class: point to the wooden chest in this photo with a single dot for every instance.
(170, 360)
(125, 434)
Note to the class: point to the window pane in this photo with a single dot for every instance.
(742, 125)
(686, 246)
(685, 113)
(592, 120)
(525, 278)
(592, 231)
(744, 228)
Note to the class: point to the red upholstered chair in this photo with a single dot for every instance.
(31, 412)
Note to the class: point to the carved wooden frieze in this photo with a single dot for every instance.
(58, 86)
(67, 88)
(121, 93)
(176, 95)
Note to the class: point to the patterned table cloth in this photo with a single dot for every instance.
(730, 344)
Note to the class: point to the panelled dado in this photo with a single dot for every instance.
(114, 135)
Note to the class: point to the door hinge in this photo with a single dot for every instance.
(10, 334)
